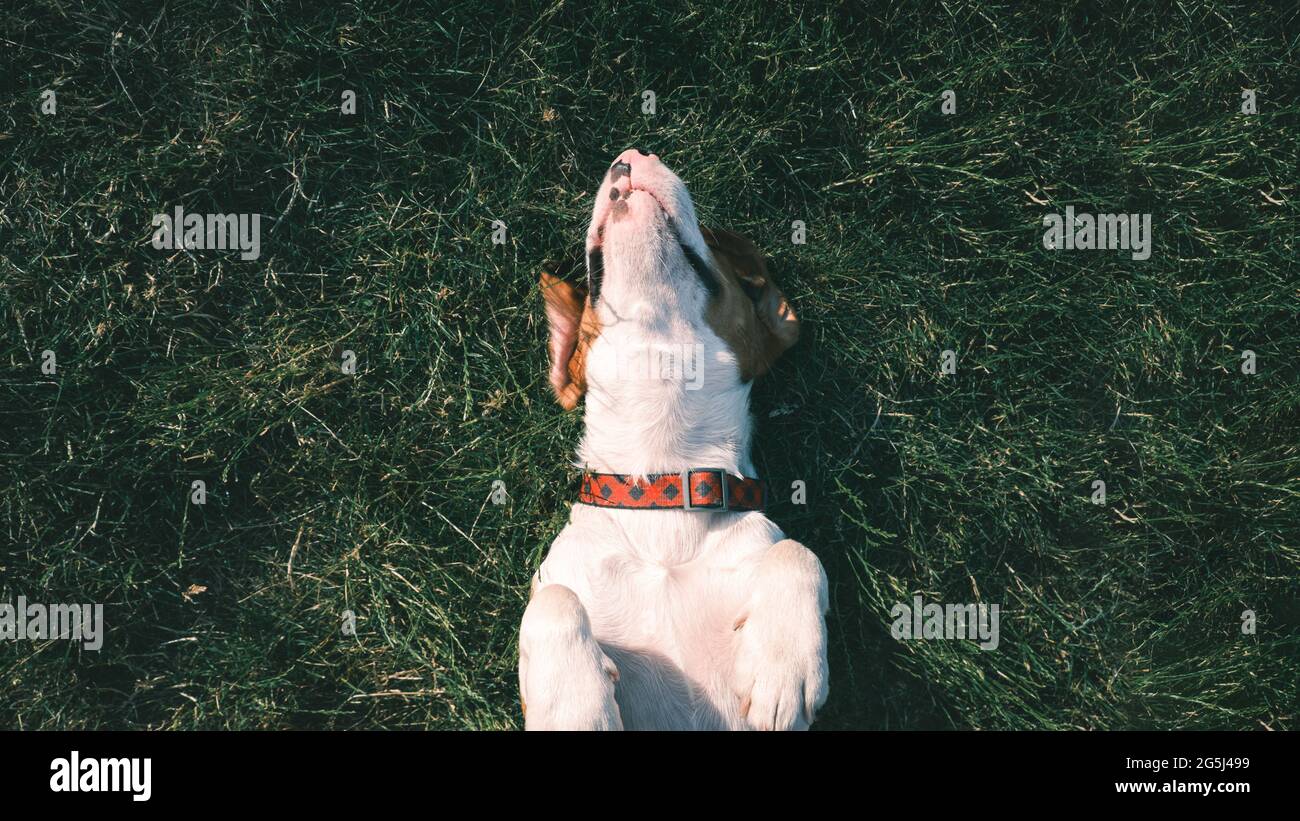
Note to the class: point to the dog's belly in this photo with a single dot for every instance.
(670, 628)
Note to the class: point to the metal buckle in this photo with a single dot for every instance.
(722, 507)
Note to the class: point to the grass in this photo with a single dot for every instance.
(370, 493)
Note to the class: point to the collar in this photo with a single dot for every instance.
(702, 489)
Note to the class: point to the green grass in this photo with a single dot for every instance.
(370, 493)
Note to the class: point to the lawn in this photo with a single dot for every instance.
(331, 493)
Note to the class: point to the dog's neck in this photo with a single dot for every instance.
(640, 420)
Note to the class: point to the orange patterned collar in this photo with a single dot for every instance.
(702, 489)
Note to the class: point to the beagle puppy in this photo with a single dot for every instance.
(669, 601)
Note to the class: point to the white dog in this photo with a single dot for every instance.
(669, 601)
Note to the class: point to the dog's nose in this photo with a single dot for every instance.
(629, 161)
(634, 162)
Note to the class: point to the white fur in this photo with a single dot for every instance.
(704, 616)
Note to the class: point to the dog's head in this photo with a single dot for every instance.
(654, 274)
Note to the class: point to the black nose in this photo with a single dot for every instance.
(643, 152)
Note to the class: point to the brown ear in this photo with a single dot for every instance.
(573, 326)
(751, 313)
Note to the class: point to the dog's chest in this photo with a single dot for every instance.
(663, 591)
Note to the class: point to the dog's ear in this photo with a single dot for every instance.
(774, 328)
(573, 326)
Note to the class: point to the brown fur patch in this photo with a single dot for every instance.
(573, 327)
(749, 312)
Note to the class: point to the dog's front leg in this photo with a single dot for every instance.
(566, 682)
(781, 672)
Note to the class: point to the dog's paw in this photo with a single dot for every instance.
(782, 672)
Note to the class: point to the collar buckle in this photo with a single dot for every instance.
(724, 491)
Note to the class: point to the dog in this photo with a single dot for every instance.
(669, 601)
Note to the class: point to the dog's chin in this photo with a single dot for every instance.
(638, 211)
(641, 237)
